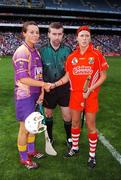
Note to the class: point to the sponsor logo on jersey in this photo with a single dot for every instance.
(91, 60)
(38, 73)
(82, 70)
(74, 61)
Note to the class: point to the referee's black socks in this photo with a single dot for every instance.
(67, 126)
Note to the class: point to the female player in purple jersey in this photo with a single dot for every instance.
(28, 86)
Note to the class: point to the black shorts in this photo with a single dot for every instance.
(58, 96)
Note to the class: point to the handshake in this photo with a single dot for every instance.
(49, 86)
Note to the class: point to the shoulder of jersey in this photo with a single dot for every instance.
(73, 54)
(97, 52)
(67, 46)
(22, 48)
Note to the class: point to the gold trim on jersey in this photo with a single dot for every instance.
(21, 59)
(20, 71)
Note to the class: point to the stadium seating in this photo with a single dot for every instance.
(106, 28)
(95, 5)
(14, 3)
(111, 44)
(86, 5)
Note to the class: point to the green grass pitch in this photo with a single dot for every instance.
(57, 168)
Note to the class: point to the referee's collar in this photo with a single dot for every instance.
(50, 45)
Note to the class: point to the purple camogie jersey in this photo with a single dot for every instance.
(27, 63)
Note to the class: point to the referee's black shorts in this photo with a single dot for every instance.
(58, 96)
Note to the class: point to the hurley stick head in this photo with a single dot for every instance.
(86, 84)
(48, 146)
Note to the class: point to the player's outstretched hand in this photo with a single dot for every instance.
(47, 86)
(53, 85)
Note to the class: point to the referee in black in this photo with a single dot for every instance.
(54, 54)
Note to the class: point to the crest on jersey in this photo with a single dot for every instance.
(74, 61)
(91, 60)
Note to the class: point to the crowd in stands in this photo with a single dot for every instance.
(104, 5)
(111, 44)
(8, 43)
(93, 24)
(25, 3)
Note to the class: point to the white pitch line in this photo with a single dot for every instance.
(111, 149)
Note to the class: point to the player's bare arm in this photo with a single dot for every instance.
(32, 82)
(103, 76)
(41, 97)
(61, 81)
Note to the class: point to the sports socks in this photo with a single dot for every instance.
(31, 144)
(23, 152)
(49, 124)
(75, 133)
(67, 126)
(93, 138)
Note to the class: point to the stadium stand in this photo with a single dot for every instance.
(104, 5)
(86, 5)
(111, 45)
(103, 17)
(14, 3)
